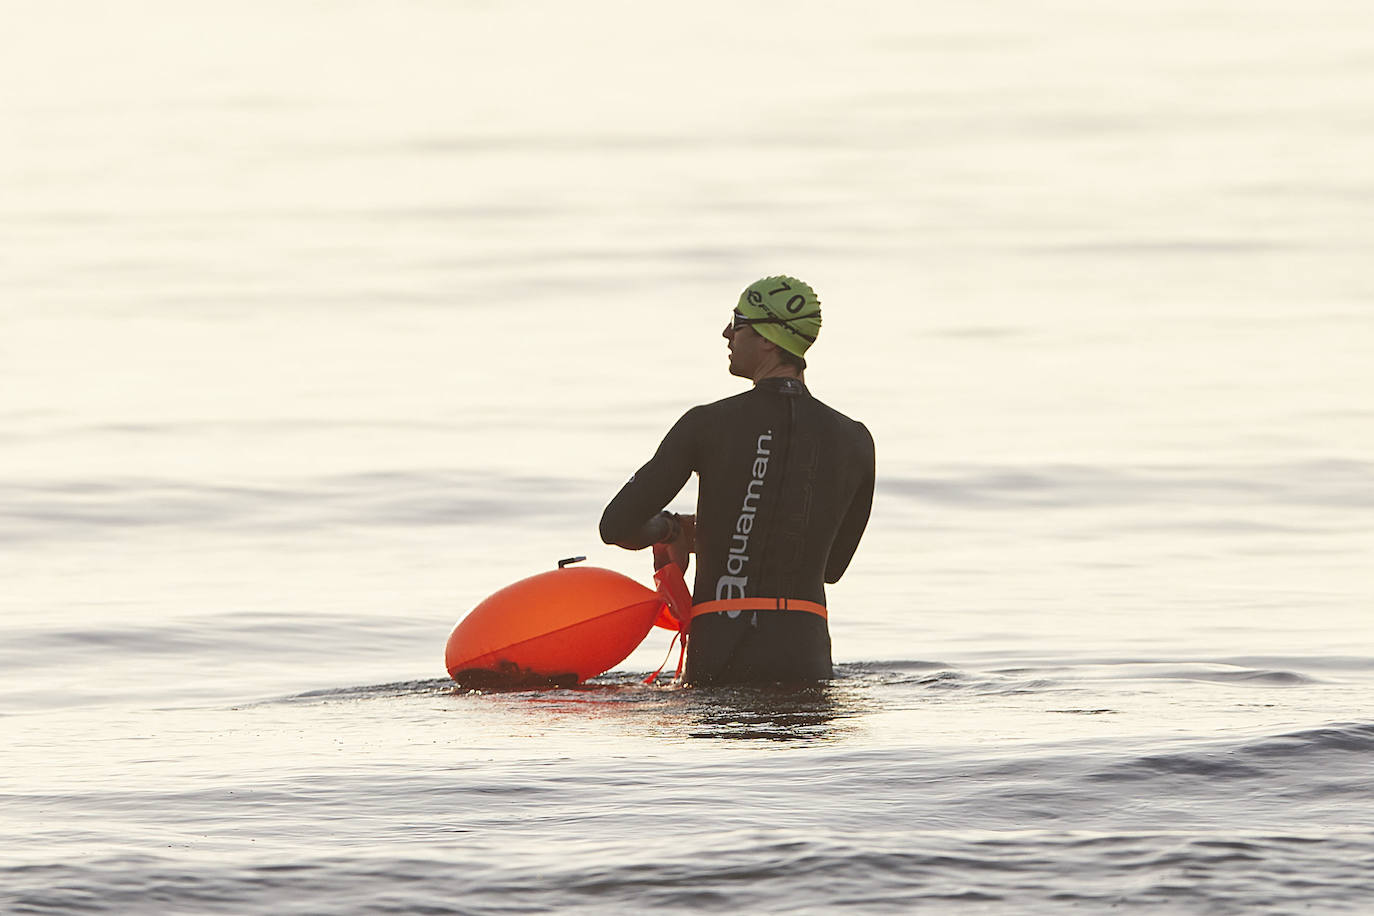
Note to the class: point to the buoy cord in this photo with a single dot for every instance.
(653, 677)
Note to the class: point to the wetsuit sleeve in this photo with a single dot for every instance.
(856, 516)
(628, 519)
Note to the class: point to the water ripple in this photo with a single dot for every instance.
(1330, 484)
(76, 507)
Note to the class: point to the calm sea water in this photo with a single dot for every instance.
(321, 321)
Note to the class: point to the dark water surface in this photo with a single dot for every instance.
(417, 797)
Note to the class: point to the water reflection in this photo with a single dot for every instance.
(756, 712)
(773, 712)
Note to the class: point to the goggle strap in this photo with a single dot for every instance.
(738, 320)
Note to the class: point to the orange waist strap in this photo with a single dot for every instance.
(758, 604)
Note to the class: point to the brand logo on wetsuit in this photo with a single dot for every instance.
(733, 583)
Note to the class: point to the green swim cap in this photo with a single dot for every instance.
(790, 309)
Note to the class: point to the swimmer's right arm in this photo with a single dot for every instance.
(657, 529)
(633, 519)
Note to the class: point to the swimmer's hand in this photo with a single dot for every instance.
(684, 542)
(677, 539)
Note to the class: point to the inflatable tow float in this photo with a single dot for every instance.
(562, 626)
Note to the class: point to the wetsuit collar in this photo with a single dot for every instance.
(783, 384)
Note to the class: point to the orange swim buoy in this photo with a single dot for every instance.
(561, 626)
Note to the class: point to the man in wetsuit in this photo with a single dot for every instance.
(785, 489)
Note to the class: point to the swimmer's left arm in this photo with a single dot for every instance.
(855, 517)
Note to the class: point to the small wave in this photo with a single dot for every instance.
(1344, 663)
(870, 667)
(1250, 759)
(1327, 484)
(425, 687)
(898, 674)
(1004, 682)
(1214, 672)
(1202, 765)
(237, 633)
(1043, 679)
(1354, 737)
(1223, 672)
(67, 508)
(744, 870)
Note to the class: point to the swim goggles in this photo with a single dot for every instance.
(738, 321)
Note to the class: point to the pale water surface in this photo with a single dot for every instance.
(321, 321)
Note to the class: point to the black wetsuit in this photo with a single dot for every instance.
(786, 485)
